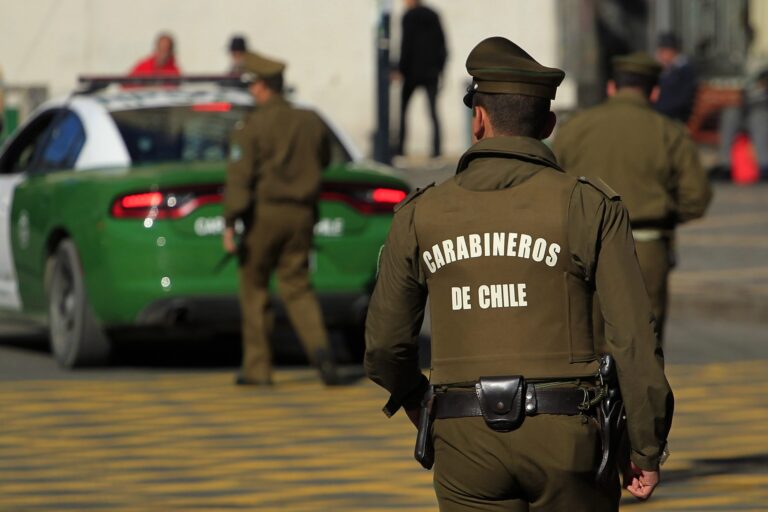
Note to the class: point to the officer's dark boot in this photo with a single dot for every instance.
(326, 365)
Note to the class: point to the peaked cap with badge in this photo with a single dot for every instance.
(259, 66)
(499, 66)
(638, 63)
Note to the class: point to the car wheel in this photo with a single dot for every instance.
(76, 337)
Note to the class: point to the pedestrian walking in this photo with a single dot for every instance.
(276, 159)
(422, 59)
(678, 82)
(509, 254)
(649, 159)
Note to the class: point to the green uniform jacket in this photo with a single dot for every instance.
(274, 158)
(600, 246)
(646, 157)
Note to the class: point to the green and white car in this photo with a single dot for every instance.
(110, 219)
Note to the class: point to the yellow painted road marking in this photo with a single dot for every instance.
(195, 442)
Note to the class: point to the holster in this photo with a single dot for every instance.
(425, 449)
(501, 401)
(612, 420)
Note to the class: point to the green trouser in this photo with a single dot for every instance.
(655, 263)
(548, 464)
(279, 240)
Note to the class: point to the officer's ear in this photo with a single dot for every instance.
(479, 123)
(549, 125)
(610, 88)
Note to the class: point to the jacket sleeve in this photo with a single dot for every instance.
(395, 315)
(629, 328)
(692, 187)
(241, 175)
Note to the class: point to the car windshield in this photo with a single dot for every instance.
(187, 133)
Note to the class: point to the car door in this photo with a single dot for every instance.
(35, 210)
(17, 158)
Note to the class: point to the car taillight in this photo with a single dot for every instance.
(165, 204)
(364, 198)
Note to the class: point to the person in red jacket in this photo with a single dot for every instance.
(161, 62)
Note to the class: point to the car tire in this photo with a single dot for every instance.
(76, 337)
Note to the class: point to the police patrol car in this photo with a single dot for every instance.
(111, 215)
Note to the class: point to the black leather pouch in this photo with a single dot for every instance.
(501, 401)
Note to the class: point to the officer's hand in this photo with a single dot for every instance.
(639, 482)
(228, 240)
(413, 415)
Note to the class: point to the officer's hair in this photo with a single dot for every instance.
(515, 114)
(628, 79)
(274, 83)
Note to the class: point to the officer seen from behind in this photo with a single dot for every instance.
(647, 158)
(277, 156)
(509, 253)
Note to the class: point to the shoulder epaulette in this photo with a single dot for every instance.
(413, 195)
(601, 186)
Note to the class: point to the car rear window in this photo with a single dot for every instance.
(187, 133)
(178, 134)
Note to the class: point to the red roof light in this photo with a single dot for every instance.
(212, 107)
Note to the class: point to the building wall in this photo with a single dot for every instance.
(329, 45)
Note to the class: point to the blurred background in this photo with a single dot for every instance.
(332, 52)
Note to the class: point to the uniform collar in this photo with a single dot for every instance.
(629, 96)
(520, 148)
(275, 100)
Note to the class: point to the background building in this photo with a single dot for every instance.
(330, 45)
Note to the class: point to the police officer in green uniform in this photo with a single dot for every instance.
(277, 156)
(647, 158)
(509, 253)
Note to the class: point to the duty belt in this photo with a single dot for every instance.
(462, 403)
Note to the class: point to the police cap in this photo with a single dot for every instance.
(258, 66)
(499, 66)
(639, 63)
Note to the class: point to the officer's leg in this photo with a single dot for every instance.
(469, 472)
(555, 461)
(256, 312)
(294, 285)
(405, 97)
(655, 263)
(432, 97)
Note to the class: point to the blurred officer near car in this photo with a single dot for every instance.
(277, 155)
(161, 62)
(509, 253)
(647, 158)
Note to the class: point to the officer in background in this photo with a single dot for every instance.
(647, 158)
(277, 156)
(509, 253)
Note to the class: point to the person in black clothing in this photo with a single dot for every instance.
(678, 81)
(422, 58)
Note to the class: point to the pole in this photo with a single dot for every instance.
(381, 149)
